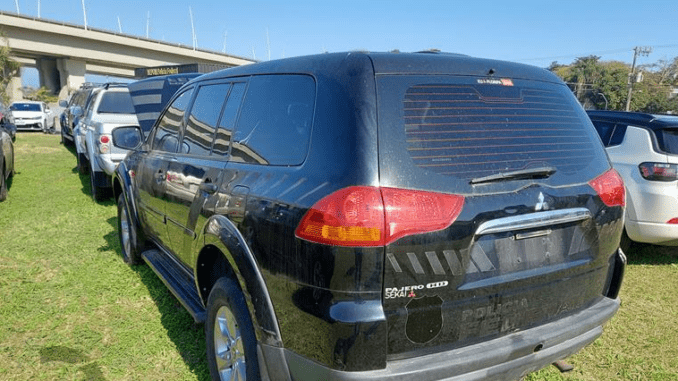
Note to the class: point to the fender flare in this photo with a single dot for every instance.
(122, 177)
(222, 233)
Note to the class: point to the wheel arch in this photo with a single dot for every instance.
(122, 185)
(225, 253)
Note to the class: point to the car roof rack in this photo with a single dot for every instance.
(114, 84)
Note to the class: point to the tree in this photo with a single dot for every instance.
(588, 78)
(10, 68)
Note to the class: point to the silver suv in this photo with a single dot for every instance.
(111, 107)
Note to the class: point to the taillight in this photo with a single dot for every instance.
(673, 221)
(104, 144)
(370, 216)
(610, 188)
(659, 171)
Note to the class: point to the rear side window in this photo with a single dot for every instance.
(202, 121)
(669, 138)
(275, 121)
(604, 129)
(464, 128)
(116, 102)
(228, 118)
(612, 134)
(166, 135)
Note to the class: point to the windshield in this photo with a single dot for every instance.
(25, 107)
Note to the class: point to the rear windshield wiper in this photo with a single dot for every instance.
(531, 173)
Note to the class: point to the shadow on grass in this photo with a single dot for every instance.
(646, 254)
(187, 336)
(68, 355)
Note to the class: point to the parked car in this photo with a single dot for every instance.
(378, 216)
(31, 116)
(6, 160)
(110, 107)
(67, 120)
(643, 148)
(9, 127)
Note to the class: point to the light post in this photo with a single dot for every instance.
(638, 50)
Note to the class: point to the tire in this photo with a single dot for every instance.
(229, 333)
(127, 234)
(3, 185)
(83, 165)
(98, 193)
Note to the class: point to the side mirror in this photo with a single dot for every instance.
(63, 103)
(127, 137)
(77, 111)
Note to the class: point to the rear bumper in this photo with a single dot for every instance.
(651, 232)
(508, 357)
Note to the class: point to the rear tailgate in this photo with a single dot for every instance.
(524, 251)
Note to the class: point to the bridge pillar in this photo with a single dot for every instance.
(49, 75)
(71, 75)
(14, 88)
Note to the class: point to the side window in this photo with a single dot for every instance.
(605, 130)
(202, 120)
(618, 135)
(225, 131)
(166, 135)
(275, 122)
(90, 106)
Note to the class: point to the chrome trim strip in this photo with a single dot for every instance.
(533, 220)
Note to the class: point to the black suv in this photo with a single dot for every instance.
(67, 120)
(378, 216)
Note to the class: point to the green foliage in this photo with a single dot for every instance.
(9, 68)
(44, 95)
(593, 82)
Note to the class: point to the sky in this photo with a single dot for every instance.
(532, 32)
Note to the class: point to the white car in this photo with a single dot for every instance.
(31, 116)
(643, 148)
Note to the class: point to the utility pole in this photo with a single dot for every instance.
(638, 50)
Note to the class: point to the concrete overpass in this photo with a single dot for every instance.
(64, 52)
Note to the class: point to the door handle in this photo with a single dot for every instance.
(209, 188)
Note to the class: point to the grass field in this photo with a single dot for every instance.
(72, 310)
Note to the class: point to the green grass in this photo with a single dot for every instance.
(72, 310)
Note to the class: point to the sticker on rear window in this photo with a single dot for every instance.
(492, 81)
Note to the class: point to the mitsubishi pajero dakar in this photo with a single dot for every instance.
(378, 216)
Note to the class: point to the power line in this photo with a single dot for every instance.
(595, 53)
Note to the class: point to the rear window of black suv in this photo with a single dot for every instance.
(464, 128)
